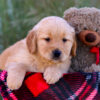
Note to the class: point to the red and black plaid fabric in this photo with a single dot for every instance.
(73, 86)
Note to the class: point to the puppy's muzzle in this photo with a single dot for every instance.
(56, 54)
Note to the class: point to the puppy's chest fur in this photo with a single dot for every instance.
(40, 64)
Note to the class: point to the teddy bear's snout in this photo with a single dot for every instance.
(89, 38)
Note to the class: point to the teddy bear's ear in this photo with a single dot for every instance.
(70, 13)
(74, 47)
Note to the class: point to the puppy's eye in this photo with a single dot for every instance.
(47, 39)
(64, 40)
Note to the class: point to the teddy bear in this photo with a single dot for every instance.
(86, 22)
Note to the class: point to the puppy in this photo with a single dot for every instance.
(47, 48)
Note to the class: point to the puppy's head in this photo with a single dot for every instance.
(53, 38)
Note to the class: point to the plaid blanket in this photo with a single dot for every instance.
(73, 86)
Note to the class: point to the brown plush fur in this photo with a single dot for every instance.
(35, 54)
(84, 19)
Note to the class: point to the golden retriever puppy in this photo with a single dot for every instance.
(47, 48)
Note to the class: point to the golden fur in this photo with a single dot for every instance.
(34, 53)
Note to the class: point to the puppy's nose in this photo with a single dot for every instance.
(56, 54)
(90, 37)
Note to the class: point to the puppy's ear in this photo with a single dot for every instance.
(74, 47)
(31, 41)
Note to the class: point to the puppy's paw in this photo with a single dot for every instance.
(51, 76)
(14, 83)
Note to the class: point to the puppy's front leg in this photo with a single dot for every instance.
(53, 74)
(16, 74)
